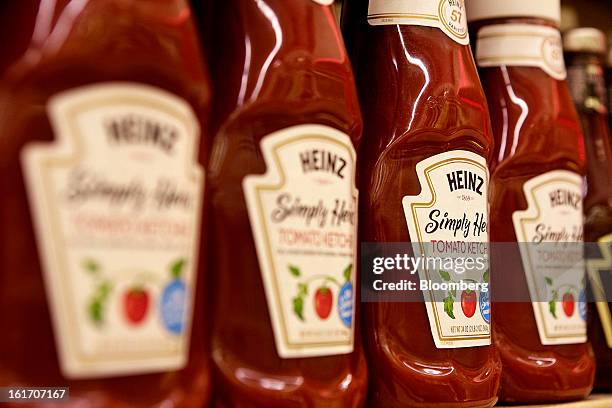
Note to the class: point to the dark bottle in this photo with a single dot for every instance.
(425, 118)
(584, 52)
(609, 84)
(103, 146)
(284, 209)
(538, 144)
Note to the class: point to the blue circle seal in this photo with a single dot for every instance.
(485, 306)
(582, 305)
(345, 304)
(172, 306)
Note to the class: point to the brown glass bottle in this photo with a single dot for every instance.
(586, 78)
(537, 133)
(283, 79)
(421, 100)
(139, 69)
(609, 83)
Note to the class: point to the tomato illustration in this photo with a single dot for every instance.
(135, 304)
(468, 302)
(568, 304)
(323, 299)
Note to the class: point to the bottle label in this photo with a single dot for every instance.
(449, 219)
(324, 2)
(587, 85)
(303, 214)
(599, 269)
(550, 238)
(521, 45)
(447, 15)
(116, 202)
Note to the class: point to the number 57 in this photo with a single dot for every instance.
(456, 16)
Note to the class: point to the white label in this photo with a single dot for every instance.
(447, 15)
(554, 270)
(521, 45)
(324, 2)
(596, 268)
(449, 219)
(303, 214)
(116, 201)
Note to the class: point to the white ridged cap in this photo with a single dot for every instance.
(585, 39)
(486, 9)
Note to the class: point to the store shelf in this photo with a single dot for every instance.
(594, 401)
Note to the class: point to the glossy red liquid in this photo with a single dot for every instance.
(420, 96)
(548, 139)
(16, 23)
(281, 63)
(79, 43)
(598, 200)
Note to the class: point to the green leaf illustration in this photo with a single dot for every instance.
(295, 271)
(298, 307)
(347, 272)
(548, 280)
(95, 311)
(302, 289)
(91, 266)
(176, 268)
(485, 276)
(552, 305)
(97, 303)
(445, 275)
(449, 304)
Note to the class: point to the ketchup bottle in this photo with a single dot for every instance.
(284, 209)
(426, 124)
(101, 160)
(584, 52)
(609, 84)
(536, 202)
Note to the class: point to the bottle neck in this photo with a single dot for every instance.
(520, 42)
(586, 80)
(446, 15)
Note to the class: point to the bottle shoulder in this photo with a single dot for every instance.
(113, 40)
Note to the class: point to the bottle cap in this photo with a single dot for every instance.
(486, 9)
(585, 39)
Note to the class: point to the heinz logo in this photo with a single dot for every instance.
(463, 179)
(136, 129)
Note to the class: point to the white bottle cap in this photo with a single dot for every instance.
(486, 9)
(585, 39)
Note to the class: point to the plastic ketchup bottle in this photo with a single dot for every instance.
(426, 133)
(584, 51)
(539, 319)
(284, 209)
(102, 159)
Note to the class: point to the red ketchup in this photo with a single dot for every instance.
(284, 209)
(102, 155)
(426, 146)
(536, 203)
(584, 52)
